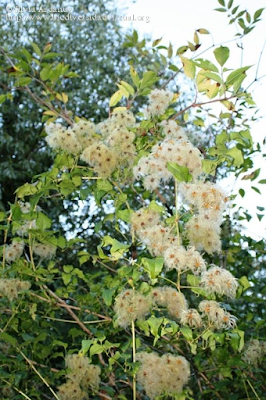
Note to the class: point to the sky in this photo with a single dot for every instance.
(175, 21)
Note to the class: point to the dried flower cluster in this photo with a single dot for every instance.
(131, 305)
(104, 146)
(14, 250)
(12, 287)
(159, 101)
(254, 352)
(220, 281)
(82, 376)
(215, 316)
(153, 167)
(44, 250)
(159, 375)
(23, 230)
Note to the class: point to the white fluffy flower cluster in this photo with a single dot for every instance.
(159, 100)
(14, 250)
(216, 317)
(166, 374)
(44, 250)
(161, 242)
(153, 168)
(174, 301)
(130, 306)
(82, 376)
(220, 281)
(254, 352)
(103, 146)
(209, 201)
(12, 287)
(23, 230)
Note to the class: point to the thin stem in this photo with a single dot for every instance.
(252, 387)
(176, 212)
(134, 387)
(194, 104)
(5, 238)
(38, 373)
(16, 389)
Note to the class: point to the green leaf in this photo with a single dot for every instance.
(23, 81)
(134, 76)
(222, 54)
(187, 332)
(237, 156)
(180, 173)
(262, 181)
(242, 192)
(181, 50)
(153, 266)
(45, 73)
(104, 185)
(26, 190)
(244, 283)
(117, 248)
(203, 31)
(189, 67)
(96, 349)
(42, 221)
(148, 79)
(236, 75)
(117, 96)
(256, 189)
(2, 98)
(230, 3)
(125, 215)
(36, 49)
(258, 13)
(128, 87)
(8, 338)
(212, 75)
(156, 42)
(108, 296)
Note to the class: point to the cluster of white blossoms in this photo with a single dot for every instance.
(208, 198)
(254, 352)
(215, 316)
(23, 230)
(159, 101)
(104, 146)
(204, 234)
(160, 241)
(12, 287)
(208, 202)
(130, 306)
(14, 251)
(153, 167)
(219, 280)
(162, 375)
(44, 250)
(174, 301)
(82, 376)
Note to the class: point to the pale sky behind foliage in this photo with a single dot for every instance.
(175, 21)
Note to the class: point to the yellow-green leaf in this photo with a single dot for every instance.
(189, 67)
(117, 96)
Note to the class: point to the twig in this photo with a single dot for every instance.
(73, 307)
(194, 104)
(69, 310)
(38, 373)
